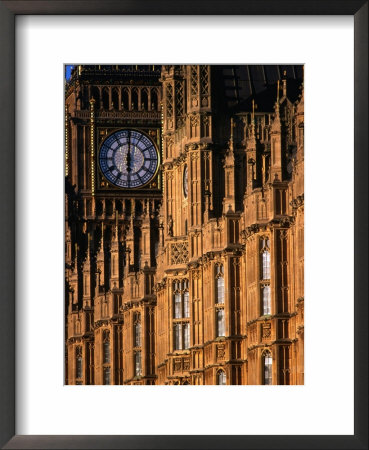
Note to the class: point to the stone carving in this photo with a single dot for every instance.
(266, 330)
(220, 352)
(179, 253)
(186, 364)
(177, 364)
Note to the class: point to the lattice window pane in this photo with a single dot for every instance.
(194, 81)
(266, 300)
(178, 336)
(186, 335)
(268, 369)
(186, 304)
(266, 265)
(221, 378)
(138, 364)
(220, 290)
(169, 93)
(204, 80)
(137, 333)
(220, 323)
(177, 305)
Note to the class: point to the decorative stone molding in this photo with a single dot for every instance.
(186, 364)
(179, 253)
(266, 330)
(297, 202)
(220, 352)
(177, 365)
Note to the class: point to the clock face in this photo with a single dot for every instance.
(185, 181)
(128, 159)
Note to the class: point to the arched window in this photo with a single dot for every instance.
(154, 100)
(106, 347)
(144, 100)
(267, 368)
(219, 284)
(221, 378)
(181, 297)
(125, 100)
(265, 258)
(134, 103)
(115, 99)
(105, 98)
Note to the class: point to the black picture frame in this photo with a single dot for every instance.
(8, 12)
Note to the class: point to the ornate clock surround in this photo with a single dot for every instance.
(151, 133)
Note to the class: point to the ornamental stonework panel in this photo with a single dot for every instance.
(221, 352)
(186, 364)
(177, 365)
(266, 331)
(179, 253)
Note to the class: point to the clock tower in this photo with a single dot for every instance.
(113, 192)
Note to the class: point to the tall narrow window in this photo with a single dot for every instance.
(181, 298)
(186, 335)
(220, 323)
(265, 259)
(79, 362)
(267, 362)
(181, 306)
(177, 305)
(186, 304)
(221, 378)
(138, 364)
(219, 285)
(178, 336)
(106, 374)
(106, 347)
(137, 330)
(266, 299)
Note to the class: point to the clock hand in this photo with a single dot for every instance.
(121, 161)
(129, 153)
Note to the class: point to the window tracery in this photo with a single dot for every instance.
(181, 307)
(221, 378)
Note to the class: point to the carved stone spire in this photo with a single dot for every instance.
(229, 175)
(251, 153)
(115, 257)
(276, 144)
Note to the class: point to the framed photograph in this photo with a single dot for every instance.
(177, 180)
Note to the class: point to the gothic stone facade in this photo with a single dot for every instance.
(196, 277)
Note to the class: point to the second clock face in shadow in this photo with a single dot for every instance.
(128, 159)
